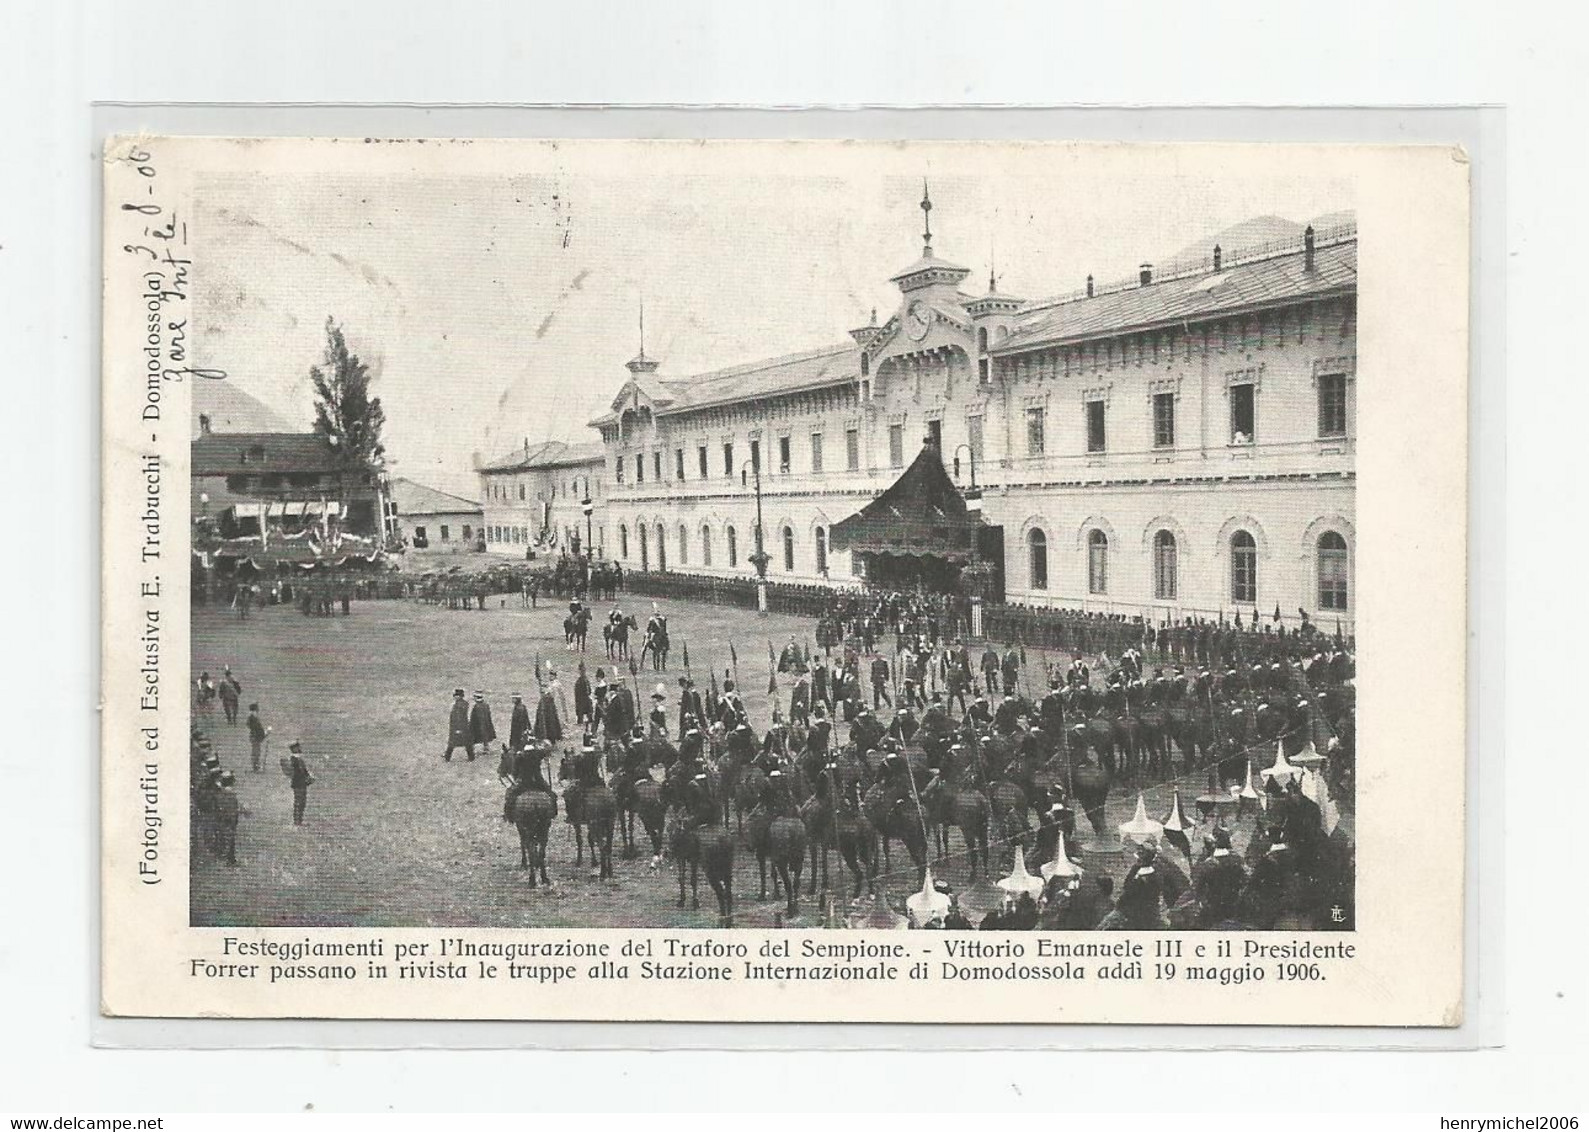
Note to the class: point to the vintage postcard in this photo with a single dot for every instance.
(784, 581)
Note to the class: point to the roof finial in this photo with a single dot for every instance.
(926, 219)
(642, 326)
(993, 261)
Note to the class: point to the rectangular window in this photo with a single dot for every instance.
(783, 454)
(816, 453)
(521, 493)
(1034, 431)
(656, 466)
(728, 459)
(678, 463)
(444, 532)
(1164, 420)
(618, 472)
(640, 467)
(852, 449)
(755, 455)
(1332, 405)
(468, 532)
(701, 457)
(935, 432)
(1095, 432)
(974, 437)
(1243, 414)
(896, 446)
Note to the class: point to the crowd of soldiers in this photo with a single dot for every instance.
(940, 723)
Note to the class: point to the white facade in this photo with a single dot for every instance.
(534, 498)
(1195, 429)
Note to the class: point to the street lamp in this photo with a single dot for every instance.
(973, 498)
(759, 558)
(589, 508)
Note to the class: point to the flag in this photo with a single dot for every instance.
(686, 655)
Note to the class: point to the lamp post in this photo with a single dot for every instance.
(759, 558)
(973, 498)
(589, 508)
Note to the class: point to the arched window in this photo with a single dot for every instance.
(706, 545)
(733, 547)
(982, 339)
(1097, 562)
(1164, 566)
(1037, 559)
(623, 540)
(1332, 572)
(662, 549)
(788, 550)
(1243, 569)
(684, 545)
(822, 551)
(645, 547)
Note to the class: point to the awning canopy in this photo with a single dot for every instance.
(921, 514)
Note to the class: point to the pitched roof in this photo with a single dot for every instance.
(791, 373)
(235, 453)
(922, 512)
(1202, 294)
(229, 409)
(550, 454)
(417, 499)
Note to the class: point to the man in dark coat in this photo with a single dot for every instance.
(519, 725)
(691, 707)
(481, 729)
(1012, 670)
(880, 682)
(458, 727)
(548, 725)
(584, 706)
(300, 780)
(990, 670)
(1218, 880)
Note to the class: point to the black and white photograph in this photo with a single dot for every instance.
(774, 549)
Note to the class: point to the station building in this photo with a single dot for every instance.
(533, 498)
(1181, 443)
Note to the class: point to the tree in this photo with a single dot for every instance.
(343, 408)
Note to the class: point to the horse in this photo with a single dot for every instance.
(656, 644)
(700, 840)
(576, 626)
(591, 811)
(903, 822)
(615, 635)
(782, 840)
(533, 812)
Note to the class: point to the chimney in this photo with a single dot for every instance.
(1089, 286)
(1219, 257)
(1145, 275)
(1307, 249)
(526, 448)
(204, 424)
